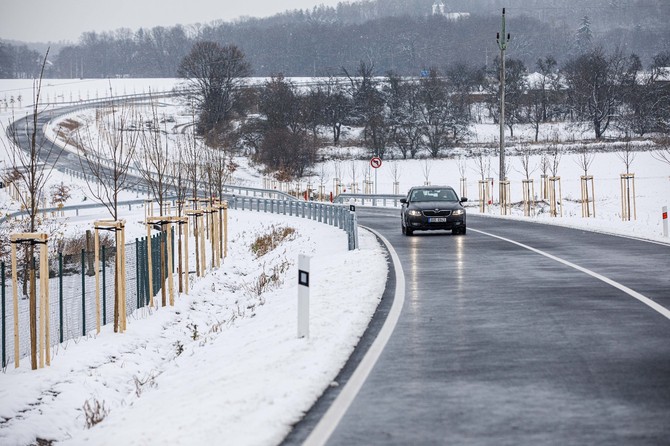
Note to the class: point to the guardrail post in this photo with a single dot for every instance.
(665, 221)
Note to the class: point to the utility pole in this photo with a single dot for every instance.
(502, 38)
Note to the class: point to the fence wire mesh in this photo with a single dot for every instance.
(72, 305)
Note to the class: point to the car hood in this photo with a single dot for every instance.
(447, 205)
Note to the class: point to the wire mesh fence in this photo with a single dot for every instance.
(72, 305)
(73, 309)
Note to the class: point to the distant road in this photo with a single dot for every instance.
(501, 345)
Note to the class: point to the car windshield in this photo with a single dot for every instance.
(437, 194)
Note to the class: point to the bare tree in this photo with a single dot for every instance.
(627, 156)
(527, 169)
(483, 164)
(322, 175)
(191, 151)
(213, 75)
(106, 154)
(585, 159)
(596, 86)
(179, 185)
(354, 176)
(154, 156)
(663, 153)
(394, 172)
(425, 169)
(32, 157)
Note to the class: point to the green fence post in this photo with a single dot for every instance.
(137, 271)
(60, 294)
(83, 292)
(140, 272)
(145, 271)
(2, 273)
(104, 287)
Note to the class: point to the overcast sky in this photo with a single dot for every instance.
(58, 20)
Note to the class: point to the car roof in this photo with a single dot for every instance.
(430, 187)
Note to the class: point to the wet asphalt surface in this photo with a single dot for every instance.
(498, 345)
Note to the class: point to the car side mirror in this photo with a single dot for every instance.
(463, 199)
(403, 200)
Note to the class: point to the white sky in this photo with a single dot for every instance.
(66, 20)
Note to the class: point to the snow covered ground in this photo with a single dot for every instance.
(225, 363)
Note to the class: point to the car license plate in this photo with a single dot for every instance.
(437, 220)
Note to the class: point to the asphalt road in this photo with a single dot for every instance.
(498, 344)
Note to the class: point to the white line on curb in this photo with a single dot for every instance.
(323, 430)
(645, 300)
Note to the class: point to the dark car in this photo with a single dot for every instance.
(428, 208)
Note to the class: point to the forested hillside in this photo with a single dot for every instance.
(398, 35)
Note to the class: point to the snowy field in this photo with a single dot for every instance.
(248, 376)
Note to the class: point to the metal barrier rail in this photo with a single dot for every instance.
(370, 199)
(327, 213)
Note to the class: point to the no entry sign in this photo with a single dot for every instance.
(376, 162)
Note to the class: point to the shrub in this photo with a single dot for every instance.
(266, 243)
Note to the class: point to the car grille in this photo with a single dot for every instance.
(436, 213)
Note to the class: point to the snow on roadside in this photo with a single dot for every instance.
(223, 365)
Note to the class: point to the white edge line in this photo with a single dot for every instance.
(326, 426)
(656, 240)
(645, 300)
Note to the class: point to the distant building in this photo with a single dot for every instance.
(439, 9)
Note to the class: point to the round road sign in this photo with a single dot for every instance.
(376, 162)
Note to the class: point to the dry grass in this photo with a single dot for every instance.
(266, 243)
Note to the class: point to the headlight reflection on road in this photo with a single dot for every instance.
(414, 252)
(460, 265)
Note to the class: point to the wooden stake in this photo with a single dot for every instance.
(38, 335)
(225, 229)
(44, 275)
(186, 256)
(121, 226)
(169, 263)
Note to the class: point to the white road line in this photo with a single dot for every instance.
(332, 417)
(645, 300)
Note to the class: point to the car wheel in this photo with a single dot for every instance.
(457, 231)
(409, 231)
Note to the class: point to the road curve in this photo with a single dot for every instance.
(520, 333)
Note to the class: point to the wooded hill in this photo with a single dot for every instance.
(398, 35)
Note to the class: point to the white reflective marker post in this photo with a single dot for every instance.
(303, 296)
(665, 221)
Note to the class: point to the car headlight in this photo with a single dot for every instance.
(414, 213)
(458, 212)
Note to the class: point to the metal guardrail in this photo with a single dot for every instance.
(370, 199)
(327, 213)
(250, 198)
